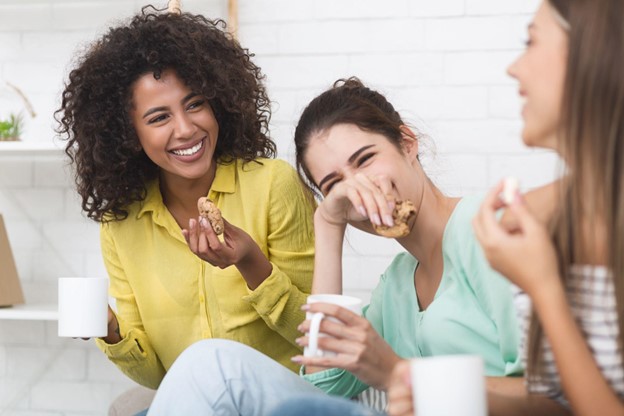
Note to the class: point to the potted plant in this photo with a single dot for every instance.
(11, 128)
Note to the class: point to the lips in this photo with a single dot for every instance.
(189, 151)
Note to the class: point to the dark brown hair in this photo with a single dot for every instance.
(591, 141)
(111, 169)
(349, 101)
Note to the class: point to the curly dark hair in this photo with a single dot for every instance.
(111, 169)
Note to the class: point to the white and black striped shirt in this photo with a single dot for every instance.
(591, 296)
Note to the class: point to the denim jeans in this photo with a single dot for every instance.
(221, 377)
(317, 405)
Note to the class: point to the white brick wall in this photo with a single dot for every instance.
(442, 63)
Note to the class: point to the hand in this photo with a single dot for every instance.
(400, 401)
(359, 198)
(524, 254)
(358, 347)
(203, 241)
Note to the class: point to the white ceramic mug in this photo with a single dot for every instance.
(449, 385)
(82, 307)
(348, 302)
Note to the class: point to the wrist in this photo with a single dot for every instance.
(254, 267)
(550, 291)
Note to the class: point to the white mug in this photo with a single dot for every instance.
(449, 385)
(82, 307)
(348, 302)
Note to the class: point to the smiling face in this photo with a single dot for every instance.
(540, 71)
(344, 150)
(175, 126)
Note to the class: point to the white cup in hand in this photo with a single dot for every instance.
(348, 302)
(449, 385)
(83, 307)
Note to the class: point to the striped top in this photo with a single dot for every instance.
(591, 296)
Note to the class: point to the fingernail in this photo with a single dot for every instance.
(296, 359)
(298, 340)
(362, 211)
(305, 307)
(375, 219)
(391, 204)
(388, 220)
(300, 328)
(192, 223)
(204, 222)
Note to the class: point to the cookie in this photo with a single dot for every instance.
(209, 210)
(402, 214)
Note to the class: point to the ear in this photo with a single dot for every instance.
(409, 142)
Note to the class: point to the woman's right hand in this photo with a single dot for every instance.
(359, 198)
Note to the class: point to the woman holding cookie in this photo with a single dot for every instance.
(158, 113)
(438, 297)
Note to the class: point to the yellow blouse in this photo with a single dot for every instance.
(168, 298)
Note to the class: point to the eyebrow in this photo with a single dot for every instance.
(163, 108)
(351, 160)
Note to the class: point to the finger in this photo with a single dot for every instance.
(209, 234)
(193, 235)
(354, 197)
(185, 234)
(374, 200)
(334, 331)
(401, 406)
(344, 315)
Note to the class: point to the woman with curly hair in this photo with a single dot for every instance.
(158, 113)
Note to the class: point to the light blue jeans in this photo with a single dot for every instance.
(222, 377)
(317, 405)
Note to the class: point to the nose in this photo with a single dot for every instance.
(185, 128)
(512, 69)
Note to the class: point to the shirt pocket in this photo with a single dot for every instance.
(228, 288)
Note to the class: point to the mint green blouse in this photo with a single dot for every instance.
(472, 311)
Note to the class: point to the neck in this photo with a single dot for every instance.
(180, 195)
(425, 240)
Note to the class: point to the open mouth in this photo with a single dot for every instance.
(190, 151)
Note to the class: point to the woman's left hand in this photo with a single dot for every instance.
(358, 347)
(525, 254)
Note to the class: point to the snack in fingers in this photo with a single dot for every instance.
(402, 213)
(209, 210)
(510, 189)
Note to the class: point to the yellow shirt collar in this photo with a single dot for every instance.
(224, 182)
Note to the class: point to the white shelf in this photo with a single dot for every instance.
(30, 312)
(22, 148)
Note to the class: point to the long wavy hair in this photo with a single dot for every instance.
(591, 141)
(111, 169)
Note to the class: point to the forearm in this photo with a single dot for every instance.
(581, 379)
(530, 404)
(328, 256)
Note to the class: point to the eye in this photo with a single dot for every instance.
(364, 159)
(158, 119)
(195, 104)
(329, 186)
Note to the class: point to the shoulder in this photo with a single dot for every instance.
(266, 169)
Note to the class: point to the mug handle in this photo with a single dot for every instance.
(315, 324)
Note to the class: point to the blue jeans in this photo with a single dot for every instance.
(317, 405)
(221, 377)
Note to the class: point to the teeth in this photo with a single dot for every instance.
(189, 151)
